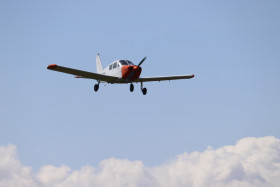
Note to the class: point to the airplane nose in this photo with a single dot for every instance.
(131, 72)
(131, 68)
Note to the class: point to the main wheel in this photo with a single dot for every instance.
(144, 91)
(131, 87)
(96, 87)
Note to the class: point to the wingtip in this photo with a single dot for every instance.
(52, 66)
(192, 75)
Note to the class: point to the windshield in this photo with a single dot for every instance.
(125, 62)
(129, 62)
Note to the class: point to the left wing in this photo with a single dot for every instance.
(83, 74)
(163, 78)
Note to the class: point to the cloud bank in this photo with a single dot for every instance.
(250, 162)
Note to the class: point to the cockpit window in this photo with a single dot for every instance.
(129, 62)
(110, 67)
(125, 62)
(115, 65)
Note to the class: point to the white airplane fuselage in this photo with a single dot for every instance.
(123, 69)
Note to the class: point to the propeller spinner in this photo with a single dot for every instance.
(132, 73)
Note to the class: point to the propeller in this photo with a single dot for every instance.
(141, 61)
(132, 73)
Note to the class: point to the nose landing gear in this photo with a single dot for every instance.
(131, 87)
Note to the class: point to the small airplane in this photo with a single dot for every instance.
(120, 71)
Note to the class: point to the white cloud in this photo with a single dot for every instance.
(12, 172)
(251, 162)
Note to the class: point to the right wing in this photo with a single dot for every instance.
(83, 74)
(163, 78)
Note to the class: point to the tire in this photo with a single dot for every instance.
(144, 91)
(131, 87)
(96, 87)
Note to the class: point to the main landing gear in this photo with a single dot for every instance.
(96, 86)
(144, 90)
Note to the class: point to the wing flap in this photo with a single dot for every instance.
(83, 74)
(164, 78)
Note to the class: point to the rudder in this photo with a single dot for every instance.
(99, 66)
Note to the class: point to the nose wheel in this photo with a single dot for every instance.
(131, 87)
(144, 90)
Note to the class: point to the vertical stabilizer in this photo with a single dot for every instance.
(99, 66)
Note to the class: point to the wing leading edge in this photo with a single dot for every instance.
(163, 78)
(83, 74)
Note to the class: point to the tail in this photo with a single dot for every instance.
(99, 67)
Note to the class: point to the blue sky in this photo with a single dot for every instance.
(52, 118)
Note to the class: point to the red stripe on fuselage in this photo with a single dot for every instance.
(128, 69)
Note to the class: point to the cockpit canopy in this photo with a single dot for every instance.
(125, 62)
(120, 63)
